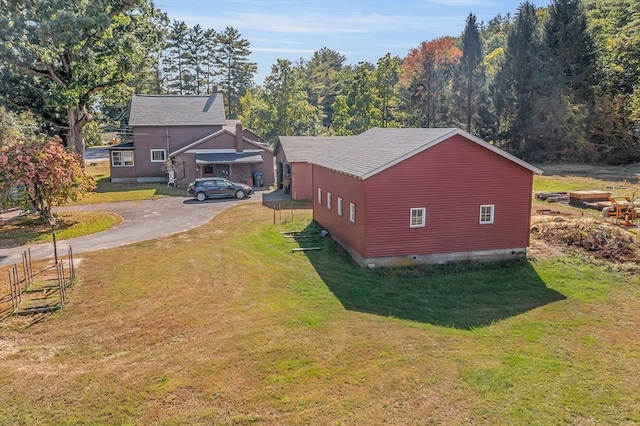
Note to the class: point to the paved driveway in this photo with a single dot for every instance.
(142, 220)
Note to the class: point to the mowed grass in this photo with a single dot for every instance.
(109, 192)
(31, 229)
(225, 325)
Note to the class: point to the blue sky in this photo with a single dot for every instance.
(360, 30)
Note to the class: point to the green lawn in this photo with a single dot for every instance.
(225, 325)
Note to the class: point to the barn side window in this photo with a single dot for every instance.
(329, 200)
(339, 206)
(486, 214)
(319, 195)
(418, 217)
(352, 213)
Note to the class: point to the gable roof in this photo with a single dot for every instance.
(378, 149)
(214, 135)
(167, 110)
(301, 149)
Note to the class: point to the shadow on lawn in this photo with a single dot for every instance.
(463, 295)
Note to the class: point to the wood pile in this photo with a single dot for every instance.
(600, 239)
(553, 197)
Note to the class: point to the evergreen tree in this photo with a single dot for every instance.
(470, 70)
(177, 58)
(232, 56)
(325, 80)
(517, 82)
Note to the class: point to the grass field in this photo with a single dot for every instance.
(225, 325)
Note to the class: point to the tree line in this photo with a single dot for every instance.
(560, 83)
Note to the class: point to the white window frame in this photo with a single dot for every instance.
(418, 217)
(125, 159)
(487, 212)
(320, 196)
(329, 200)
(339, 206)
(164, 155)
(352, 213)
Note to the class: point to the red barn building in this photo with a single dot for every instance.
(396, 197)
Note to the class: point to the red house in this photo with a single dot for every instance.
(179, 138)
(292, 155)
(395, 197)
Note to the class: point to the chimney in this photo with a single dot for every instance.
(214, 89)
(239, 134)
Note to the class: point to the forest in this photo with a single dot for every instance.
(553, 84)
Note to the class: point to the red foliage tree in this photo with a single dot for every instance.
(427, 69)
(42, 173)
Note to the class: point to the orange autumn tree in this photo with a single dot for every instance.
(427, 73)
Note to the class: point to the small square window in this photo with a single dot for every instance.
(319, 196)
(352, 213)
(339, 206)
(158, 155)
(329, 200)
(418, 217)
(486, 214)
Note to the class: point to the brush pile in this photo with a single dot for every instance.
(600, 239)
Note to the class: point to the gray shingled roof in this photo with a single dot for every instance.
(377, 149)
(161, 110)
(300, 149)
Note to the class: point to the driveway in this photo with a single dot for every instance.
(142, 220)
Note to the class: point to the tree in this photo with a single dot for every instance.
(232, 56)
(178, 59)
(288, 111)
(387, 79)
(470, 71)
(325, 75)
(69, 51)
(44, 172)
(427, 73)
(517, 82)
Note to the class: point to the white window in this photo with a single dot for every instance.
(486, 213)
(329, 200)
(158, 155)
(319, 196)
(339, 206)
(352, 213)
(122, 158)
(418, 217)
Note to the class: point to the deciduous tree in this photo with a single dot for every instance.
(67, 51)
(44, 173)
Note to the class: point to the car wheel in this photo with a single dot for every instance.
(240, 194)
(201, 196)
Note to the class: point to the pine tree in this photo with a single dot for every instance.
(517, 81)
(470, 70)
(232, 56)
(177, 58)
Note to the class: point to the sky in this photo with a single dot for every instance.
(360, 30)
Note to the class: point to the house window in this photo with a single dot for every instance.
(122, 158)
(486, 214)
(418, 217)
(319, 196)
(329, 200)
(352, 213)
(339, 206)
(158, 155)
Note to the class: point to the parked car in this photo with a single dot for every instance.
(204, 188)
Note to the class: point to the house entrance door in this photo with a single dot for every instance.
(223, 170)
